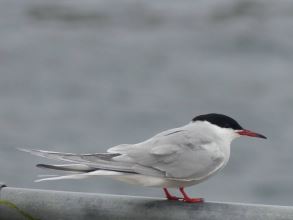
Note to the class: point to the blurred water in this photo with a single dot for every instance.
(82, 76)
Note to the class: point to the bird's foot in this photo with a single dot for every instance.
(174, 198)
(186, 198)
(193, 200)
(169, 196)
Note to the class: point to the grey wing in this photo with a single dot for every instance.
(188, 162)
(87, 161)
(178, 154)
(90, 162)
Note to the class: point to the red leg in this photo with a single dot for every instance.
(169, 196)
(186, 198)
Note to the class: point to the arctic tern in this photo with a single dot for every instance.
(175, 158)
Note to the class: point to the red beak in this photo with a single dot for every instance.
(250, 134)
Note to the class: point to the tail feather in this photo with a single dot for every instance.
(70, 157)
(67, 167)
(92, 164)
(82, 175)
(95, 161)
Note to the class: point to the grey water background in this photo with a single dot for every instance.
(82, 76)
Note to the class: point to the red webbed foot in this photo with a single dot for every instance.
(193, 200)
(169, 196)
(186, 198)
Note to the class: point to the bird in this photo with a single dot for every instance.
(175, 158)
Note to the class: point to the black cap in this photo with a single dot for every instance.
(220, 120)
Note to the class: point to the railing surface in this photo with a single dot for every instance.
(34, 204)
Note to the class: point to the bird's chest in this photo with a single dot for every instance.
(222, 152)
(219, 156)
(212, 159)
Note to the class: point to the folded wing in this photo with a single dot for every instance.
(174, 154)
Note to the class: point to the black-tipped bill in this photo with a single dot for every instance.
(251, 134)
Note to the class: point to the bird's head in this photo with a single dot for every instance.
(228, 124)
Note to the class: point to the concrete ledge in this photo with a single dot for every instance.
(47, 205)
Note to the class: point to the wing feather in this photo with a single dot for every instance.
(97, 161)
(177, 153)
